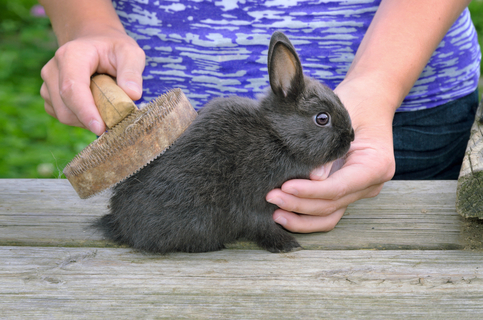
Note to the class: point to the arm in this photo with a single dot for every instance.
(398, 44)
(91, 39)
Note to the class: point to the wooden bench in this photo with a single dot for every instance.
(404, 254)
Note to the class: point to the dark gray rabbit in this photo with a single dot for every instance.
(209, 188)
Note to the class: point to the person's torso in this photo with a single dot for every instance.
(219, 48)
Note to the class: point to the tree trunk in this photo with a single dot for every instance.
(469, 192)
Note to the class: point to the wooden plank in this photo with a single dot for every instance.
(87, 283)
(406, 215)
(469, 200)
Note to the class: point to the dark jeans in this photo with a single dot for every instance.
(430, 144)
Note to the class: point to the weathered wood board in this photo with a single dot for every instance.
(89, 283)
(406, 215)
(54, 266)
(469, 199)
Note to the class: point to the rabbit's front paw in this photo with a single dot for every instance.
(282, 244)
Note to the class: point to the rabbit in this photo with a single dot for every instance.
(208, 189)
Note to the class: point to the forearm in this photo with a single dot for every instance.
(398, 44)
(401, 39)
(72, 19)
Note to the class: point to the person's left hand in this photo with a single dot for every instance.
(317, 204)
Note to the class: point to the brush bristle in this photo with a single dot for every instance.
(124, 133)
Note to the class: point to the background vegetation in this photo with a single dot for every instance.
(476, 9)
(33, 144)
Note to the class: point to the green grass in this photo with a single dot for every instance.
(33, 144)
(476, 9)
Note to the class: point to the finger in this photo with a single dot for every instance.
(54, 105)
(48, 77)
(75, 70)
(130, 66)
(50, 111)
(350, 179)
(292, 203)
(319, 207)
(306, 224)
(44, 93)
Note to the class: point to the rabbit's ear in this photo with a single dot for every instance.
(284, 67)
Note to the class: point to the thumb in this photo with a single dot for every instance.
(322, 172)
(129, 72)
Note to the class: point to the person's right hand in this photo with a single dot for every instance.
(66, 87)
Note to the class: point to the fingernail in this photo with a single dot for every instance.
(276, 201)
(281, 220)
(134, 87)
(95, 127)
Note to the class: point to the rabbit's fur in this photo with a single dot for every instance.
(209, 188)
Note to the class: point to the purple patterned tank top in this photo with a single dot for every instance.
(219, 48)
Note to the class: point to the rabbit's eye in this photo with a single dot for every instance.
(322, 119)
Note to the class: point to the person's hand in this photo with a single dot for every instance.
(397, 45)
(319, 203)
(67, 75)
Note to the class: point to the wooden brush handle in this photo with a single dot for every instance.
(113, 103)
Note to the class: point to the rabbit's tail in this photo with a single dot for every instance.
(107, 226)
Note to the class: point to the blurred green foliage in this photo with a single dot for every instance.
(476, 10)
(33, 144)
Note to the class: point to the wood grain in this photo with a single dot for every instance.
(112, 102)
(469, 196)
(86, 283)
(53, 266)
(406, 215)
